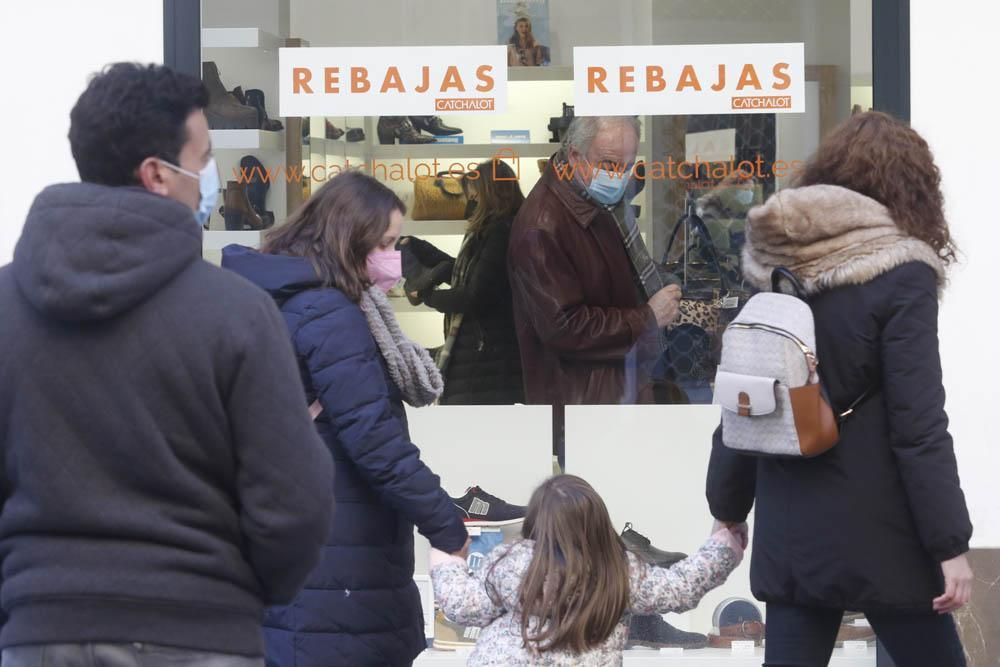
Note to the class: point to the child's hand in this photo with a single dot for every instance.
(740, 530)
(438, 557)
(727, 537)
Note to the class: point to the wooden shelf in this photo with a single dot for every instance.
(238, 38)
(247, 140)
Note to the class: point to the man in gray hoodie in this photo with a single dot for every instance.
(160, 476)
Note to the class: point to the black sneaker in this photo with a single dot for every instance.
(479, 508)
(653, 632)
(641, 547)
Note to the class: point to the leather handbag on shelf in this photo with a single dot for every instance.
(440, 197)
(693, 341)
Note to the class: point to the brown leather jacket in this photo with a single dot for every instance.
(583, 328)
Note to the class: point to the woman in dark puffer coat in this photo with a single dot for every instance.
(480, 360)
(328, 268)
(879, 523)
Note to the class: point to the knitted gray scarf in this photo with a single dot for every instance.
(410, 366)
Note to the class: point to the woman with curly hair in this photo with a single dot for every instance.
(879, 523)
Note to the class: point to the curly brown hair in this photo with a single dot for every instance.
(882, 157)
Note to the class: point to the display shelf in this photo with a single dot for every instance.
(217, 240)
(336, 147)
(430, 151)
(247, 140)
(238, 38)
(707, 657)
(540, 74)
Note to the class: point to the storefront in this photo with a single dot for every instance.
(647, 461)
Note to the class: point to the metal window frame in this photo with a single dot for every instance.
(890, 70)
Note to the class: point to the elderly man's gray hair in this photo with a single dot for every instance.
(583, 129)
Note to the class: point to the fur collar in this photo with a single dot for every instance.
(828, 236)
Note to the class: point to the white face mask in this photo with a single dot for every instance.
(208, 186)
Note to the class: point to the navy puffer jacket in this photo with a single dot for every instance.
(359, 606)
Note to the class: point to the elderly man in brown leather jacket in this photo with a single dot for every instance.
(584, 326)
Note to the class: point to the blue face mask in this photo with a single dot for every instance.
(608, 188)
(208, 186)
(744, 197)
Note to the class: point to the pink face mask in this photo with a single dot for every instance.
(385, 268)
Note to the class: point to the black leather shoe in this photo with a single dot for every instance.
(391, 128)
(355, 134)
(255, 99)
(640, 545)
(434, 125)
(333, 132)
(559, 124)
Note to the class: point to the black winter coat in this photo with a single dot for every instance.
(866, 525)
(485, 363)
(360, 606)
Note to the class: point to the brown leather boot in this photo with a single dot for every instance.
(238, 212)
(224, 111)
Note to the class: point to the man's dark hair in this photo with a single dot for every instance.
(130, 112)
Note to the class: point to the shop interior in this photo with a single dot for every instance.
(648, 462)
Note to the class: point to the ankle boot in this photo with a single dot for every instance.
(391, 128)
(224, 112)
(256, 184)
(238, 212)
(332, 131)
(255, 99)
(558, 125)
(434, 125)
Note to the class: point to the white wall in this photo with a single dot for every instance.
(952, 106)
(49, 49)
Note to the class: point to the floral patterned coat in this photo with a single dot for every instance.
(489, 599)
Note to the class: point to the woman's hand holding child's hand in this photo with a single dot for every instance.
(733, 535)
(438, 557)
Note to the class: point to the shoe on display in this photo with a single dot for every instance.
(255, 99)
(479, 508)
(237, 211)
(224, 111)
(355, 134)
(434, 125)
(640, 545)
(391, 128)
(653, 632)
(450, 636)
(256, 186)
(333, 132)
(559, 124)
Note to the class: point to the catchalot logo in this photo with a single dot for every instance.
(699, 79)
(392, 80)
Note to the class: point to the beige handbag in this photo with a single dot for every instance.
(440, 197)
